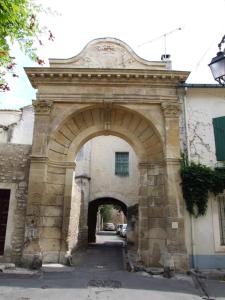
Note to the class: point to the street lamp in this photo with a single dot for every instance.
(217, 65)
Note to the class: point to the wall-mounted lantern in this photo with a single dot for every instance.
(217, 65)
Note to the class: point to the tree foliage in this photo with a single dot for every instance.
(19, 23)
(197, 181)
(106, 212)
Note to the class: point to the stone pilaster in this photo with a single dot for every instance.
(41, 127)
(152, 221)
(68, 210)
(83, 182)
(174, 201)
(37, 181)
(36, 192)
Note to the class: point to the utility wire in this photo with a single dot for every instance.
(159, 37)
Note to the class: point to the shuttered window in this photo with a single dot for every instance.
(219, 133)
(122, 163)
(221, 199)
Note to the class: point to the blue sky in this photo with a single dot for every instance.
(134, 22)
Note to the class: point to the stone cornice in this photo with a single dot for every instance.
(38, 76)
(115, 98)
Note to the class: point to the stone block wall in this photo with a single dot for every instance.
(50, 217)
(152, 217)
(14, 174)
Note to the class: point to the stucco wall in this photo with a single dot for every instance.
(83, 160)
(16, 126)
(104, 182)
(96, 160)
(202, 105)
(95, 173)
(23, 132)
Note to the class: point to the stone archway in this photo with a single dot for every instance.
(107, 89)
(92, 214)
(85, 124)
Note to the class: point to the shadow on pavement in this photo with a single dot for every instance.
(101, 266)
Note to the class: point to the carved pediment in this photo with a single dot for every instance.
(107, 53)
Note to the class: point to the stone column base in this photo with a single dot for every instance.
(83, 237)
(65, 257)
(181, 262)
(32, 260)
(176, 261)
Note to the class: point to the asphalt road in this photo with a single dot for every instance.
(99, 274)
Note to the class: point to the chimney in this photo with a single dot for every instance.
(166, 58)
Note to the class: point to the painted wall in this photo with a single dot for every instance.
(104, 182)
(16, 126)
(96, 160)
(202, 105)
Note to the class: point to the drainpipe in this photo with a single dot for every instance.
(193, 251)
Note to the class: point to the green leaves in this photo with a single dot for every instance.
(197, 181)
(106, 212)
(218, 181)
(18, 23)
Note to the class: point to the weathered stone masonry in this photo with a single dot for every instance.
(14, 173)
(107, 90)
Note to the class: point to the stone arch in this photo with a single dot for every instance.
(92, 121)
(105, 119)
(92, 213)
(113, 195)
(105, 90)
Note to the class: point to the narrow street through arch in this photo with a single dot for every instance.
(92, 214)
(105, 249)
(105, 255)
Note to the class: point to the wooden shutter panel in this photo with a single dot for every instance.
(219, 133)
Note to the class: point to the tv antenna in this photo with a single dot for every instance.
(159, 37)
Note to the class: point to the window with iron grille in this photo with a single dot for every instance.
(221, 199)
(122, 163)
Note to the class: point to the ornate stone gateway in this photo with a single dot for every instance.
(106, 89)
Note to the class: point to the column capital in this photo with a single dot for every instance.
(42, 107)
(171, 109)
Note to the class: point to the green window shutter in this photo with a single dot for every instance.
(122, 163)
(221, 199)
(219, 133)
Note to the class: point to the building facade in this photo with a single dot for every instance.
(203, 105)
(109, 127)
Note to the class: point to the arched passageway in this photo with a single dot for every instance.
(92, 214)
(106, 90)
